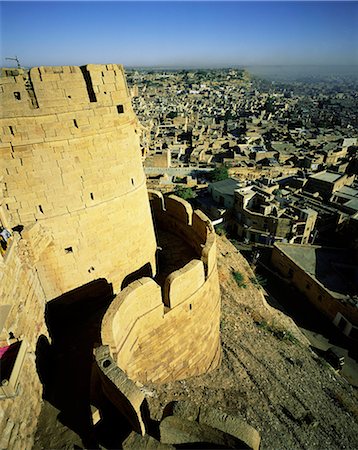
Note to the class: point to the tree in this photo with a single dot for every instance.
(219, 174)
(184, 192)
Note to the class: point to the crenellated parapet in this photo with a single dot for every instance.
(71, 160)
(60, 89)
(177, 215)
(73, 193)
(160, 333)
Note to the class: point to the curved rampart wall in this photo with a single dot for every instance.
(71, 159)
(176, 215)
(161, 337)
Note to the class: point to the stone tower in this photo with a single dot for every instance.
(73, 194)
(72, 164)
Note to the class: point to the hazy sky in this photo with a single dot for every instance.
(180, 33)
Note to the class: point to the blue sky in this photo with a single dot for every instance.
(207, 34)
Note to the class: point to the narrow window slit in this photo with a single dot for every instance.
(75, 123)
(68, 250)
(92, 197)
(40, 208)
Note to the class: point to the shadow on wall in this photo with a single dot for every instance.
(336, 269)
(64, 366)
(145, 271)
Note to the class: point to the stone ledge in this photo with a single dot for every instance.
(119, 389)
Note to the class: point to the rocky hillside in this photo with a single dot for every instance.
(268, 376)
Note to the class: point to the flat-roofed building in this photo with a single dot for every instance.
(328, 277)
(325, 183)
(223, 192)
(263, 219)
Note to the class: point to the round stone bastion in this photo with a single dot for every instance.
(168, 328)
(72, 164)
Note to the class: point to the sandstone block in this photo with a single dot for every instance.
(232, 425)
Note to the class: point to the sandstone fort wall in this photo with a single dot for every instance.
(160, 335)
(22, 301)
(71, 159)
(74, 187)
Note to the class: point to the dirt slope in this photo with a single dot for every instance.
(268, 374)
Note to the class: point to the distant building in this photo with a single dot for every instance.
(262, 218)
(223, 192)
(259, 153)
(313, 162)
(328, 277)
(346, 199)
(160, 159)
(335, 155)
(219, 204)
(349, 142)
(325, 183)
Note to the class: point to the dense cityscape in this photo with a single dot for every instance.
(179, 225)
(272, 164)
(293, 143)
